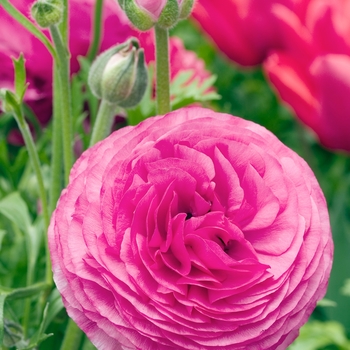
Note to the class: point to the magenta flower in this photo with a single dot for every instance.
(312, 74)
(193, 230)
(245, 30)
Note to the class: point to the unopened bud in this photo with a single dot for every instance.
(144, 14)
(119, 75)
(47, 12)
(186, 8)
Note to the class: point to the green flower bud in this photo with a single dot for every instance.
(144, 14)
(47, 12)
(170, 14)
(139, 18)
(119, 75)
(186, 8)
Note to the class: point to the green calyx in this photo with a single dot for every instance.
(47, 12)
(170, 14)
(119, 75)
(140, 19)
(186, 8)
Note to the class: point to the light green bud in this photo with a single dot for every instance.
(186, 8)
(119, 75)
(47, 12)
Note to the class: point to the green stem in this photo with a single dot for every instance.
(162, 72)
(73, 337)
(95, 45)
(63, 26)
(56, 158)
(34, 158)
(65, 97)
(103, 123)
(13, 12)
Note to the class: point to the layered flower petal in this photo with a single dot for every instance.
(193, 230)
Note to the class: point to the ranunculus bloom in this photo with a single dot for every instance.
(312, 74)
(193, 230)
(245, 30)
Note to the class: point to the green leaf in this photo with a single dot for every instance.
(345, 290)
(39, 336)
(55, 305)
(2, 235)
(2, 320)
(317, 335)
(13, 335)
(186, 89)
(20, 77)
(326, 303)
(12, 104)
(15, 209)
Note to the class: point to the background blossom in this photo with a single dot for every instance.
(312, 73)
(38, 59)
(245, 30)
(196, 230)
(116, 29)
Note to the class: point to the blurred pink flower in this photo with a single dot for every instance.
(15, 39)
(312, 73)
(116, 29)
(245, 30)
(193, 230)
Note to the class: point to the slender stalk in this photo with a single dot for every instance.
(162, 70)
(34, 158)
(13, 12)
(56, 158)
(103, 123)
(63, 26)
(73, 337)
(95, 44)
(65, 100)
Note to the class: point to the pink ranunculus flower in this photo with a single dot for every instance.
(244, 30)
(312, 74)
(193, 230)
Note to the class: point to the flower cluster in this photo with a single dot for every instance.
(193, 230)
(116, 28)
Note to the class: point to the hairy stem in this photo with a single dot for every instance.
(65, 100)
(162, 70)
(103, 123)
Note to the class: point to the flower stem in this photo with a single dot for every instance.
(34, 158)
(25, 22)
(65, 100)
(162, 71)
(95, 45)
(103, 123)
(56, 158)
(73, 337)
